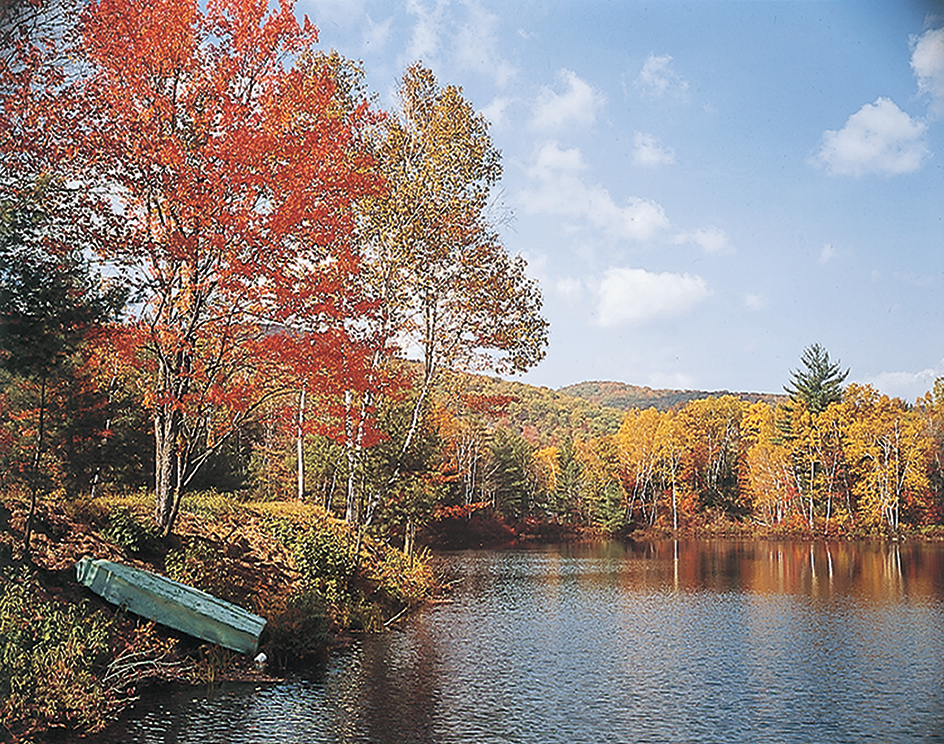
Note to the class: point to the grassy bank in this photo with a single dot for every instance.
(70, 660)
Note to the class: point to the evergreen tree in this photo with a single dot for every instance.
(49, 301)
(819, 383)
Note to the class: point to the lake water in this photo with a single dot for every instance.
(696, 641)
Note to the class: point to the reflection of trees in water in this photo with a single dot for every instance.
(827, 638)
(876, 570)
(399, 689)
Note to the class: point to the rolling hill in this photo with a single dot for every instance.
(623, 396)
(584, 410)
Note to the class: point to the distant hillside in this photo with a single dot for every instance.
(623, 397)
(546, 416)
(582, 411)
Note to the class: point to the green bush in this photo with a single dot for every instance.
(210, 504)
(326, 561)
(127, 529)
(298, 629)
(51, 654)
(196, 563)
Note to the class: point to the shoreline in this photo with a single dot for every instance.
(245, 552)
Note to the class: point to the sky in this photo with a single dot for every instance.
(701, 189)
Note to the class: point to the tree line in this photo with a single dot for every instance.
(211, 236)
(827, 459)
(219, 258)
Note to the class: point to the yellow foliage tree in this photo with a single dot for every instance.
(768, 465)
(711, 431)
(888, 452)
(638, 448)
(671, 450)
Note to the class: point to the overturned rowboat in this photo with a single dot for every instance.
(173, 604)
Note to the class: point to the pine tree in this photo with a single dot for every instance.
(50, 301)
(819, 383)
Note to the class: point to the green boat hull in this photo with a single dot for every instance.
(173, 604)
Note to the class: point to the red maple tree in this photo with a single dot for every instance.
(218, 137)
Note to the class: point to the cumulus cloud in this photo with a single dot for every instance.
(827, 254)
(336, 11)
(637, 296)
(578, 104)
(463, 33)
(560, 190)
(424, 41)
(878, 138)
(907, 385)
(927, 61)
(647, 150)
(494, 112)
(376, 34)
(569, 288)
(476, 46)
(659, 80)
(711, 239)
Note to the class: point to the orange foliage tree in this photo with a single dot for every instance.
(235, 171)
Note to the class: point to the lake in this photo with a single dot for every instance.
(690, 641)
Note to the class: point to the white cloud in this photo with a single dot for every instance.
(424, 42)
(570, 289)
(376, 34)
(657, 79)
(551, 159)
(342, 12)
(827, 254)
(647, 150)
(578, 104)
(476, 47)
(494, 112)
(927, 61)
(561, 191)
(637, 296)
(754, 302)
(878, 138)
(711, 239)
(907, 385)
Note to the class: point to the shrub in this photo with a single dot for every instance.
(209, 504)
(404, 579)
(50, 656)
(297, 627)
(326, 562)
(129, 531)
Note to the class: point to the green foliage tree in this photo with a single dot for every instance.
(511, 482)
(819, 382)
(50, 302)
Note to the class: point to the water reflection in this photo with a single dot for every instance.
(875, 571)
(688, 641)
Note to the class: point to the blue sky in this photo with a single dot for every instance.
(702, 189)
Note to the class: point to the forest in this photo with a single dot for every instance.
(254, 331)
(224, 269)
